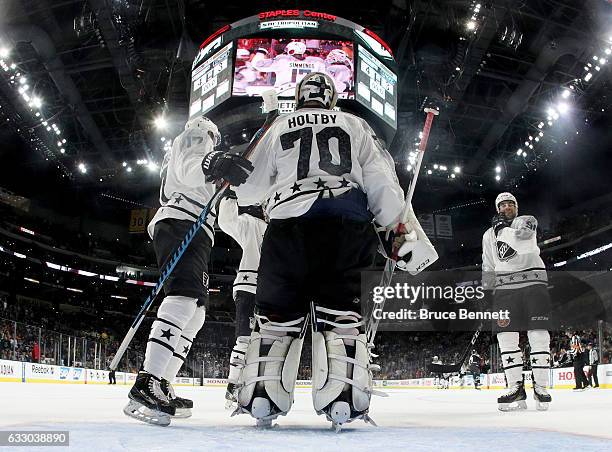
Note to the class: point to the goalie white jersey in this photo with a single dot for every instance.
(512, 260)
(248, 232)
(184, 193)
(316, 153)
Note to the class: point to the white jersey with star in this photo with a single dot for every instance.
(248, 232)
(317, 153)
(184, 192)
(500, 259)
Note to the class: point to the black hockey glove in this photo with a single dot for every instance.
(499, 222)
(234, 168)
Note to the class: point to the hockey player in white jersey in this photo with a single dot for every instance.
(186, 187)
(247, 229)
(512, 267)
(289, 67)
(339, 67)
(326, 175)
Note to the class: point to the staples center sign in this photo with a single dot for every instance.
(282, 13)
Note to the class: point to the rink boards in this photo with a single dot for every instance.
(15, 371)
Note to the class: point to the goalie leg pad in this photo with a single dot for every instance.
(341, 366)
(267, 381)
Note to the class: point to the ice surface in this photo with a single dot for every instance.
(408, 420)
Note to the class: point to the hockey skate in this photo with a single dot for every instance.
(542, 397)
(148, 403)
(514, 399)
(182, 406)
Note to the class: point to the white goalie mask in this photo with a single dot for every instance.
(505, 197)
(318, 87)
(204, 124)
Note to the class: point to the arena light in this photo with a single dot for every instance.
(457, 169)
(588, 77)
(152, 166)
(124, 164)
(129, 169)
(4, 52)
(519, 152)
(35, 281)
(498, 178)
(560, 264)
(82, 168)
(562, 108)
(566, 93)
(119, 297)
(71, 289)
(602, 61)
(453, 176)
(595, 251)
(498, 169)
(160, 122)
(471, 25)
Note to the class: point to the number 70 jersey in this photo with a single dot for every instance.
(317, 153)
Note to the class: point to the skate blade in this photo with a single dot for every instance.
(141, 413)
(514, 406)
(182, 413)
(336, 427)
(542, 406)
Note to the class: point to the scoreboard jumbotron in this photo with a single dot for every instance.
(276, 49)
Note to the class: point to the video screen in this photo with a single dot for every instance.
(210, 82)
(377, 86)
(264, 63)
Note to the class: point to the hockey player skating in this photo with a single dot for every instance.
(474, 367)
(326, 174)
(437, 375)
(186, 187)
(247, 229)
(512, 265)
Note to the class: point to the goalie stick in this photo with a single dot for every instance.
(372, 325)
(178, 253)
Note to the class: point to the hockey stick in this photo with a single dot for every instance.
(385, 281)
(176, 257)
(456, 367)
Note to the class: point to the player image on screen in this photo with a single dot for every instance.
(282, 63)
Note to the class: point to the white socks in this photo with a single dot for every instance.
(512, 356)
(173, 315)
(184, 344)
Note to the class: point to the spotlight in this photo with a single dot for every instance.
(602, 61)
(562, 107)
(457, 169)
(498, 177)
(524, 154)
(82, 168)
(4, 52)
(160, 122)
(124, 164)
(129, 169)
(588, 77)
(498, 169)
(152, 166)
(519, 152)
(471, 25)
(566, 93)
(429, 171)
(436, 166)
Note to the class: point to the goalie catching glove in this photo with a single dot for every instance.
(233, 168)
(410, 246)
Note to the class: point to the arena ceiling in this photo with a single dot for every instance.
(105, 68)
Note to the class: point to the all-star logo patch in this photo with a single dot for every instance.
(503, 323)
(504, 251)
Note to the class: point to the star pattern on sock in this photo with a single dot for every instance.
(245, 278)
(185, 349)
(296, 187)
(167, 334)
(509, 360)
(534, 360)
(178, 199)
